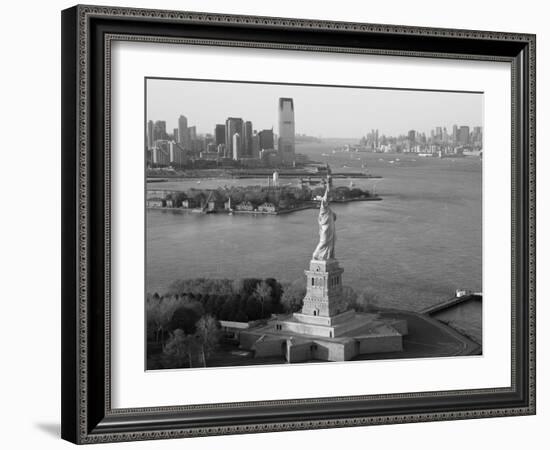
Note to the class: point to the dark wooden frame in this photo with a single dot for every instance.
(87, 32)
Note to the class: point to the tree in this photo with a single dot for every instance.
(152, 308)
(237, 195)
(185, 318)
(249, 285)
(263, 294)
(208, 335)
(276, 290)
(237, 285)
(180, 346)
(159, 313)
(349, 296)
(288, 197)
(367, 301)
(356, 192)
(253, 308)
(229, 309)
(293, 296)
(255, 196)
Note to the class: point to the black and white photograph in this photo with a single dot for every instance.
(275, 225)
(296, 223)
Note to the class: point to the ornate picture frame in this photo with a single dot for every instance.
(88, 33)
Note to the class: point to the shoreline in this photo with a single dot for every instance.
(312, 205)
(165, 177)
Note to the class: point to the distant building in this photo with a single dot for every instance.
(286, 145)
(178, 155)
(188, 203)
(477, 136)
(411, 136)
(237, 146)
(219, 134)
(266, 140)
(464, 135)
(374, 139)
(214, 202)
(192, 133)
(150, 134)
(233, 125)
(275, 179)
(247, 138)
(245, 206)
(183, 134)
(267, 207)
(154, 203)
(159, 130)
(271, 157)
(438, 134)
(256, 145)
(161, 152)
(455, 134)
(210, 156)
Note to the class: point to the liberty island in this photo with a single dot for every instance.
(325, 328)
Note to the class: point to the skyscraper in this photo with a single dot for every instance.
(159, 130)
(477, 136)
(286, 130)
(237, 146)
(455, 134)
(439, 134)
(464, 135)
(150, 134)
(256, 145)
(192, 132)
(219, 134)
(233, 125)
(247, 138)
(411, 135)
(267, 140)
(182, 131)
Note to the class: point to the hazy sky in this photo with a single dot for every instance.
(319, 111)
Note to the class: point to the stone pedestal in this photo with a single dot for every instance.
(324, 289)
(325, 329)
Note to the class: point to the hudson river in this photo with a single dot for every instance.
(408, 251)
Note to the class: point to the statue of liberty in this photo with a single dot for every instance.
(327, 229)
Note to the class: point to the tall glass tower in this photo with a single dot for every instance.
(286, 130)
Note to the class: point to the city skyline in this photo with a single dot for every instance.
(392, 112)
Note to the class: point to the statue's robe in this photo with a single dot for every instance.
(327, 233)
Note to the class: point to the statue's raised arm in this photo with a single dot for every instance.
(327, 189)
(327, 229)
